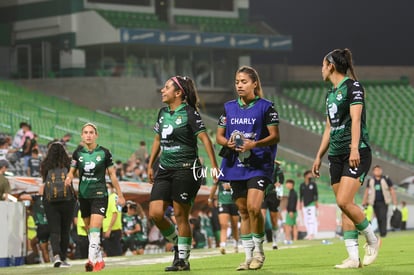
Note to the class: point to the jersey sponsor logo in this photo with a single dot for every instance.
(166, 130)
(274, 117)
(89, 166)
(242, 120)
(357, 95)
(332, 109)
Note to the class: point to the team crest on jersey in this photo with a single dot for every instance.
(98, 158)
(339, 96)
(179, 120)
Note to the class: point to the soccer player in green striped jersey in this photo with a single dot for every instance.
(346, 138)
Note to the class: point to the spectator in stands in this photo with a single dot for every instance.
(112, 225)
(379, 193)
(92, 162)
(65, 139)
(29, 143)
(119, 170)
(272, 200)
(59, 214)
(4, 182)
(34, 164)
(248, 131)
(227, 213)
(177, 127)
(349, 155)
(18, 137)
(308, 197)
(4, 148)
(140, 154)
(291, 213)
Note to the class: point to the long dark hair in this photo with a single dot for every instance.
(56, 158)
(188, 88)
(342, 60)
(255, 78)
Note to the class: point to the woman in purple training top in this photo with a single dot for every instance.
(248, 131)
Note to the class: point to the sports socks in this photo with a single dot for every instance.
(258, 240)
(222, 244)
(170, 234)
(366, 228)
(274, 234)
(94, 252)
(184, 247)
(351, 244)
(248, 246)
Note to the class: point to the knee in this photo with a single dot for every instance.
(244, 214)
(155, 215)
(254, 211)
(343, 204)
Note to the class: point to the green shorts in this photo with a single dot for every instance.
(291, 220)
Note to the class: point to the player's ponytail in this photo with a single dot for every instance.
(342, 60)
(187, 86)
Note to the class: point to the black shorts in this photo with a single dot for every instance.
(271, 201)
(228, 209)
(43, 233)
(93, 206)
(175, 185)
(240, 187)
(339, 166)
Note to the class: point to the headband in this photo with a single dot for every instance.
(174, 78)
(329, 57)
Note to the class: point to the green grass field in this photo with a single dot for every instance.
(304, 257)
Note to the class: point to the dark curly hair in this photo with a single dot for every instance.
(56, 157)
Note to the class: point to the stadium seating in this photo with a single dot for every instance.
(132, 19)
(215, 24)
(389, 112)
(52, 117)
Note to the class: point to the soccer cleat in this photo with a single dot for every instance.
(257, 261)
(243, 266)
(89, 266)
(99, 266)
(371, 252)
(179, 265)
(236, 249)
(56, 261)
(65, 264)
(274, 246)
(222, 250)
(349, 263)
